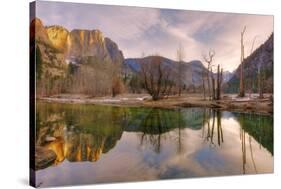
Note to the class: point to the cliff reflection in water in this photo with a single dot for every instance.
(78, 133)
(85, 132)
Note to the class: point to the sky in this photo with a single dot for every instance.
(147, 31)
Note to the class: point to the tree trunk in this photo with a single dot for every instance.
(180, 56)
(209, 84)
(213, 95)
(260, 83)
(221, 82)
(209, 59)
(179, 78)
(203, 85)
(213, 89)
(241, 87)
(218, 83)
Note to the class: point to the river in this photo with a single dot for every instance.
(103, 144)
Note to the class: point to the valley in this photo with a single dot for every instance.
(136, 94)
(85, 64)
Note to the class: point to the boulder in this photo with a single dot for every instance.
(44, 157)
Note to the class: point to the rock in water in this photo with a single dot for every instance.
(50, 139)
(44, 157)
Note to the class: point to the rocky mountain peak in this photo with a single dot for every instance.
(38, 32)
(83, 43)
(78, 43)
(58, 36)
(58, 46)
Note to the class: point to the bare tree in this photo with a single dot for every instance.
(241, 87)
(218, 83)
(213, 95)
(217, 96)
(180, 57)
(156, 77)
(203, 85)
(209, 59)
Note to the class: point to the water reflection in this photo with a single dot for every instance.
(169, 143)
(258, 127)
(254, 125)
(79, 134)
(211, 127)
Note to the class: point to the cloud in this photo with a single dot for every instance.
(149, 31)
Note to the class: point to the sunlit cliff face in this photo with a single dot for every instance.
(85, 43)
(97, 37)
(80, 43)
(58, 36)
(59, 46)
(76, 42)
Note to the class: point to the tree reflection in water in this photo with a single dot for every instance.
(84, 133)
(152, 127)
(211, 126)
(255, 126)
(155, 127)
(260, 128)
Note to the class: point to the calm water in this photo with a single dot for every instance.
(97, 144)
